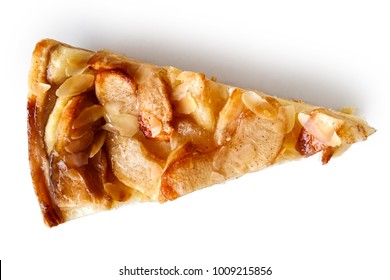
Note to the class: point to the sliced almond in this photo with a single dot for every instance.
(80, 144)
(88, 115)
(41, 88)
(186, 105)
(230, 90)
(110, 128)
(155, 126)
(97, 143)
(288, 113)
(258, 105)
(305, 119)
(75, 85)
(112, 108)
(73, 71)
(127, 125)
(180, 91)
(322, 127)
(77, 63)
(324, 118)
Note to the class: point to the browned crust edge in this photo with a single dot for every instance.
(39, 162)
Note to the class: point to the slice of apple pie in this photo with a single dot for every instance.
(105, 130)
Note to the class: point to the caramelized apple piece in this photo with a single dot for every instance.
(133, 165)
(154, 107)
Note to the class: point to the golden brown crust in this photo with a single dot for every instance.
(105, 130)
(39, 162)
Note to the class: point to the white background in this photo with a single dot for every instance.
(305, 220)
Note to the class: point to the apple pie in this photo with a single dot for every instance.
(106, 130)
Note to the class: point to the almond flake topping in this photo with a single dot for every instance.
(75, 85)
(322, 127)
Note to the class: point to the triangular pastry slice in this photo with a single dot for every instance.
(105, 130)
